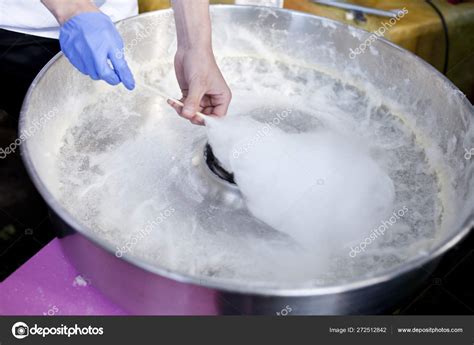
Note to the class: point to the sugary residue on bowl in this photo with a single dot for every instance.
(126, 171)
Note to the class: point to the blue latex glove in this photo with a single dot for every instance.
(89, 40)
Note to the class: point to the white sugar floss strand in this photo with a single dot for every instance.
(322, 189)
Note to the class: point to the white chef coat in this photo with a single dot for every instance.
(33, 18)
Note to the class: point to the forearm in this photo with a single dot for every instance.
(193, 24)
(62, 10)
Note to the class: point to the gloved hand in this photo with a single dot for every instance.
(89, 40)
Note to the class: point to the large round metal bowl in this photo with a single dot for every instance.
(443, 121)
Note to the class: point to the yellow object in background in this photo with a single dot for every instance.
(420, 31)
(153, 5)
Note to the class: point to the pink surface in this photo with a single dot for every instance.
(49, 285)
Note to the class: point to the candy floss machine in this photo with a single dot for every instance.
(108, 161)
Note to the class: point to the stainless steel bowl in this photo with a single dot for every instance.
(443, 120)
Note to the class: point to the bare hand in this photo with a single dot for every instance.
(202, 85)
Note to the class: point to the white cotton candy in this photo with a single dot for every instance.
(322, 189)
